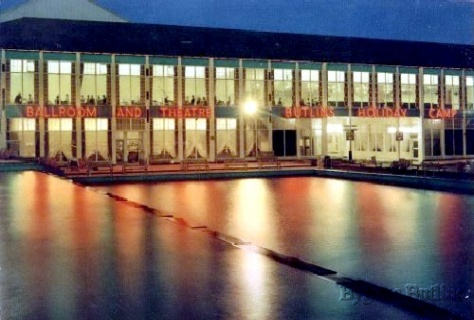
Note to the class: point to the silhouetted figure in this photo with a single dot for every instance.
(18, 98)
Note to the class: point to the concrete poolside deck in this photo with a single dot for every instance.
(431, 179)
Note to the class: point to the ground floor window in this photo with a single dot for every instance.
(96, 140)
(59, 138)
(22, 136)
(256, 136)
(164, 138)
(432, 137)
(196, 142)
(226, 136)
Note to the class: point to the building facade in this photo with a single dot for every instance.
(139, 92)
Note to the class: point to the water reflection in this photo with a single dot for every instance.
(70, 252)
(383, 234)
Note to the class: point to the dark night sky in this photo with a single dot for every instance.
(450, 21)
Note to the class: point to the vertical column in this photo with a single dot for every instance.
(373, 87)
(349, 104)
(463, 107)
(397, 88)
(180, 105)
(146, 134)
(441, 106)
(241, 112)
(3, 86)
(212, 119)
(324, 121)
(421, 104)
(397, 104)
(113, 104)
(77, 103)
(269, 108)
(298, 121)
(41, 120)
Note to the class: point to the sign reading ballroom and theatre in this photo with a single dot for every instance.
(34, 111)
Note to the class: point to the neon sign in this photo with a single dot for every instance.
(308, 112)
(179, 113)
(381, 113)
(60, 112)
(442, 113)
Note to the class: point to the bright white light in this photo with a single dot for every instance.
(335, 128)
(250, 107)
(402, 129)
(391, 129)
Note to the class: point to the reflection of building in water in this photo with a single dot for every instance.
(178, 99)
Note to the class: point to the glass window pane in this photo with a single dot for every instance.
(65, 67)
(53, 66)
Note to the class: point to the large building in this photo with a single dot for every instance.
(138, 91)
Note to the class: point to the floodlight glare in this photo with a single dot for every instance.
(250, 107)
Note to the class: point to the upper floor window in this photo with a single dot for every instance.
(361, 88)
(336, 85)
(22, 81)
(129, 83)
(163, 85)
(195, 92)
(408, 90)
(255, 85)
(452, 94)
(59, 82)
(94, 84)
(385, 88)
(430, 90)
(470, 92)
(225, 86)
(22, 65)
(283, 86)
(310, 88)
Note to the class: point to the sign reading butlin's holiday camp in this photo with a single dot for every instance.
(308, 112)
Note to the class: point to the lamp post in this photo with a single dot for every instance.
(250, 108)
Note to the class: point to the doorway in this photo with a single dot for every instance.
(284, 143)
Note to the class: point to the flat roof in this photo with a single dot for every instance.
(166, 40)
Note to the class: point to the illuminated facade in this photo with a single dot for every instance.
(145, 91)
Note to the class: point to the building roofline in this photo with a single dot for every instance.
(171, 40)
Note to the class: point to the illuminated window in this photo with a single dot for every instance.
(408, 90)
(336, 83)
(59, 82)
(60, 124)
(226, 124)
(129, 84)
(254, 85)
(430, 90)
(385, 88)
(283, 86)
(163, 85)
(361, 88)
(195, 85)
(94, 84)
(196, 124)
(225, 86)
(309, 87)
(452, 92)
(166, 124)
(22, 81)
(470, 93)
(96, 124)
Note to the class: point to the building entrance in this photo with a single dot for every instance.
(284, 143)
